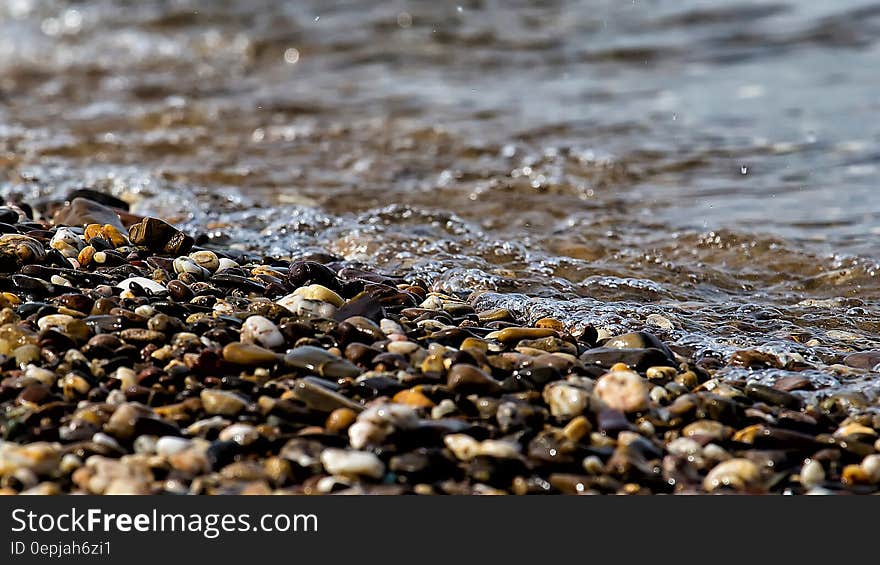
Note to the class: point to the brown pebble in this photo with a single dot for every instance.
(466, 379)
(340, 419)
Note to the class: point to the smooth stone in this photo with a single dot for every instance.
(320, 293)
(321, 362)
(739, 473)
(624, 390)
(637, 359)
(242, 434)
(508, 335)
(82, 211)
(464, 447)
(72, 327)
(340, 420)
(565, 400)
(160, 236)
(377, 422)
(39, 457)
(350, 463)
(302, 306)
(249, 354)
(206, 259)
(867, 360)
(464, 378)
(140, 335)
(707, 429)
(166, 446)
(144, 282)
(638, 340)
(414, 398)
(261, 331)
(124, 419)
(221, 402)
(871, 467)
(812, 474)
(321, 398)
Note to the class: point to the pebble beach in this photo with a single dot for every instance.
(137, 362)
(568, 247)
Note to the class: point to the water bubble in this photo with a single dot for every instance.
(404, 20)
(459, 9)
(72, 20)
(743, 170)
(291, 55)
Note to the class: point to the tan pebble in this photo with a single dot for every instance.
(740, 474)
(551, 323)
(475, 343)
(414, 398)
(85, 255)
(687, 379)
(248, 354)
(515, 334)
(662, 375)
(623, 389)
(708, 428)
(812, 474)
(221, 402)
(340, 419)
(850, 430)
(320, 293)
(402, 347)
(577, 428)
(464, 447)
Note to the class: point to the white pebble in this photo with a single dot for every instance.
(812, 474)
(146, 283)
(261, 331)
(225, 263)
(352, 463)
(166, 446)
(242, 434)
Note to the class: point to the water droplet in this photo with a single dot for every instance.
(459, 9)
(317, 18)
(291, 55)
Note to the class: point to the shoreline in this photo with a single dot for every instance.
(137, 362)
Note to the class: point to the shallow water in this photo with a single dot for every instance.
(712, 162)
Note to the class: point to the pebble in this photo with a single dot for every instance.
(144, 282)
(221, 402)
(740, 474)
(812, 474)
(467, 379)
(377, 422)
(508, 335)
(302, 306)
(351, 463)
(166, 446)
(565, 400)
(261, 331)
(623, 389)
(249, 354)
(39, 457)
(319, 293)
(340, 420)
(242, 434)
